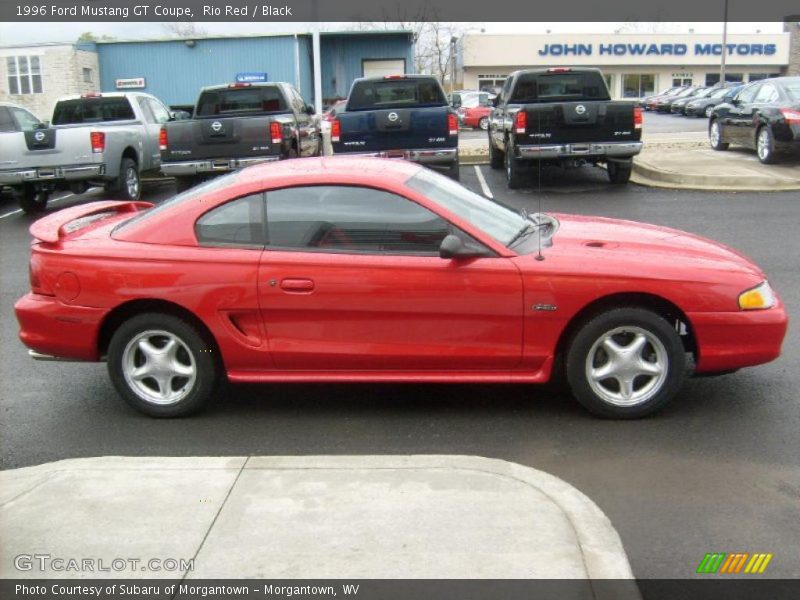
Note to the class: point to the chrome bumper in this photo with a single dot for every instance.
(222, 165)
(599, 150)
(425, 156)
(34, 175)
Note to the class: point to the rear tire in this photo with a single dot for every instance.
(715, 136)
(496, 158)
(128, 184)
(514, 175)
(619, 172)
(625, 363)
(162, 366)
(32, 200)
(484, 123)
(765, 146)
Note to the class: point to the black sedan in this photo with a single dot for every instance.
(665, 104)
(678, 106)
(703, 107)
(764, 115)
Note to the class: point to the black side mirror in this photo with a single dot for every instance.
(310, 110)
(453, 247)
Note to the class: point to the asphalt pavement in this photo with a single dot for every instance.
(716, 471)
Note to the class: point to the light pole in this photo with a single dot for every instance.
(453, 41)
(724, 44)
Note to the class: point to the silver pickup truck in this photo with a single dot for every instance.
(104, 139)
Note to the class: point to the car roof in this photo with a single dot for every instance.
(359, 167)
(235, 85)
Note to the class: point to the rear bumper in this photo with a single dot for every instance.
(215, 165)
(425, 156)
(53, 329)
(43, 174)
(595, 150)
(732, 340)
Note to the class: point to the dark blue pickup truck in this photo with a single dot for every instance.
(399, 116)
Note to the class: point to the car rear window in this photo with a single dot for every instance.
(395, 93)
(234, 101)
(553, 87)
(92, 110)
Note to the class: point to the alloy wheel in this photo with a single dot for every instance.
(159, 367)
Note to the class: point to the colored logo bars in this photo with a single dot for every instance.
(735, 563)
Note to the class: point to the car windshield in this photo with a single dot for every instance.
(703, 93)
(502, 223)
(719, 92)
(685, 93)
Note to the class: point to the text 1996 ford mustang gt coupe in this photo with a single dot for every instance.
(353, 269)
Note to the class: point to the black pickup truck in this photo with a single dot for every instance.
(399, 116)
(562, 116)
(237, 125)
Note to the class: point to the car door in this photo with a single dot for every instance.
(766, 98)
(351, 280)
(740, 115)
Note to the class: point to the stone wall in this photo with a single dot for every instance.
(792, 25)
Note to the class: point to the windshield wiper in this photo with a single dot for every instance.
(526, 230)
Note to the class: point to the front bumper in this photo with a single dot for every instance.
(54, 329)
(43, 174)
(731, 340)
(595, 150)
(215, 165)
(426, 156)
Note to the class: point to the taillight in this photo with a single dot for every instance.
(162, 139)
(792, 116)
(521, 122)
(452, 124)
(35, 279)
(336, 130)
(276, 132)
(98, 139)
(637, 117)
(238, 85)
(559, 70)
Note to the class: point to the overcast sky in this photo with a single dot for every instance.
(23, 33)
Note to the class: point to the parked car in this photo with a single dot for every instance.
(237, 125)
(664, 104)
(703, 107)
(678, 106)
(399, 116)
(104, 139)
(352, 269)
(563, 116)
(329, 116)
(474, 111)
(649, 102)
(764, 115)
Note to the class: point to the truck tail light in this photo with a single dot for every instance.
(452, 124)
(637, 117)
(162, 139)
(336, 130)
(521, 122)
(98, 139)
(792, 116)
(238, 85)
(276, 132)
(394, 77)
(559, 70)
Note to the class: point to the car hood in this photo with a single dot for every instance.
(650, 250)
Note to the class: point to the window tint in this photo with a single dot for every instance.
(766, 94)
(236, 223)
(748, 94)
(395, 93)
(351, 219)
(232, 101)
(547, 87)
(25, 120)
(93, 110)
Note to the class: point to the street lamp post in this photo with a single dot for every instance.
(724, 44)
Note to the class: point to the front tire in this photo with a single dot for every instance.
(765, 146)
(32, 200)
(625, 364)
(619, 172)
(162, 366)
(715, 136)
(709, 111)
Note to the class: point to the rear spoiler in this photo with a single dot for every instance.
(51, 228)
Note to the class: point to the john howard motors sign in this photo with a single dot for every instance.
(643, 49)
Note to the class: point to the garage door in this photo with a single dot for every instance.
(381, 68)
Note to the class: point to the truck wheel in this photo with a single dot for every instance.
(127, 185)
(619, 172)
(715, 136)
(625, 363)
(513, 171)
(184, 183)
(32, 200)
(495, 156)
(161, 365)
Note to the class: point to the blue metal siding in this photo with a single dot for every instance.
(342, 57)
(174, 72)
(306, 86)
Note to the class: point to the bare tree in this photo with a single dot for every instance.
(184, 30)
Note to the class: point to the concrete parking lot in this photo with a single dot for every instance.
(716, 471)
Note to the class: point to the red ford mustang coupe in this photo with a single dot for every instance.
(353, 269)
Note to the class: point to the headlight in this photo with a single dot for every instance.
(758, 297)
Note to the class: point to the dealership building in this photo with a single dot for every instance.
(635, 65)
(174, 70)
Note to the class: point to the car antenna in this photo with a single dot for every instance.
(539, 255)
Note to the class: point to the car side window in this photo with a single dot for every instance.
(352, 220)
(160, 113)
(766, 94)
(747, 95)
(25, 120)
(6, 122)
(505, 91)
(144, 105)
(238, 223)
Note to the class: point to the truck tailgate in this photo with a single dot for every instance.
(393, 129)
(232, 137)
(46, 148)
(576, 122)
